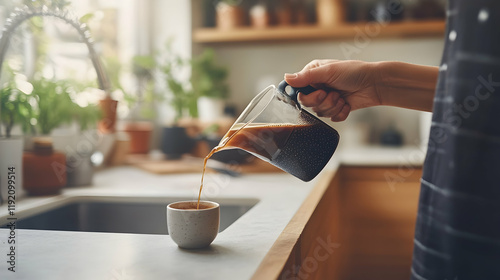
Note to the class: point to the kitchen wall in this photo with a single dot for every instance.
(257, 65)
(253, 66)
(170, 19)
(167, 19)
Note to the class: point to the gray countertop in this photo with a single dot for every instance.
(235, 253)
(238, 250)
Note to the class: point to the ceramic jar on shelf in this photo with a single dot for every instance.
(229, 15)
(330, 12)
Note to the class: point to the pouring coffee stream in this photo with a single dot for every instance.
(274, 128)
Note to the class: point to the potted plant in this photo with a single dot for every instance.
(141, 104)
(209, 83)
(229, 14)
(14, 110)
(138, 124)
(175, 140)
(47, 168)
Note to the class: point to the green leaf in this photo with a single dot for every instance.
(209, 79)
(143, 65)
(15, 107)
(54, 107)
(86, 17)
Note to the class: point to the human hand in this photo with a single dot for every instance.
(343, 86)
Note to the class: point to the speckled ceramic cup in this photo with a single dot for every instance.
(193, 228)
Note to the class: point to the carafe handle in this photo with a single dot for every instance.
(294, 91)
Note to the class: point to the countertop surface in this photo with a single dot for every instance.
(235, 254)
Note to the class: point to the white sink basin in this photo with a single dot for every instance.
(118, 214)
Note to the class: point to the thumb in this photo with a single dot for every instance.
(318, 75)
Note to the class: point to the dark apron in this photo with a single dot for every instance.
(457, 234)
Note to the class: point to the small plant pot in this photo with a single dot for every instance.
(44, 170)
(11, 168)
(175, 142)
(107, 124)
(140, 136)
(229, 16)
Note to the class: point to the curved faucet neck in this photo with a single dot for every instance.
(20, 15)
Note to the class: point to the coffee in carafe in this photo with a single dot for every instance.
(301, 150)
(275, 129)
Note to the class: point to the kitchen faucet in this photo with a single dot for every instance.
(21, 14)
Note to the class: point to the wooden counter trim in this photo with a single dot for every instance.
(278, 256)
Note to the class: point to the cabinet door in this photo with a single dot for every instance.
(365, 223)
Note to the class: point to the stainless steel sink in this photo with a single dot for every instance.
(120, 216)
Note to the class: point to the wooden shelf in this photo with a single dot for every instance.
(312, 32)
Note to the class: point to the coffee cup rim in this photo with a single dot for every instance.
(215, 205)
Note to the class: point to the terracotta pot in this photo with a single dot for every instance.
(108, 122)
(284, 16)
(140, 135)
(260, 16)
(229, 16)
(44, 170)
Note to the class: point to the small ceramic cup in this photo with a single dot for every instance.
(193, 228)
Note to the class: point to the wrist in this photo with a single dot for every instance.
(406, 85)
(378, 79)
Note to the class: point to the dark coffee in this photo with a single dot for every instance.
(263, 140)
(192, 205)
(302, 150)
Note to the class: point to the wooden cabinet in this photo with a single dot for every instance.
(358, 224)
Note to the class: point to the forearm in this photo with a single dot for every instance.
(406, 85)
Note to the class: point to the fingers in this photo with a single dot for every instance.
(315, 72)
(318, 62)
(319, 77)
(331, 104)
(326, 76)
(313, 99)
(342, 116)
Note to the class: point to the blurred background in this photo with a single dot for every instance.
(177, 73)
(196, 64)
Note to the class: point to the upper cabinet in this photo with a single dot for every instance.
(231, 21)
